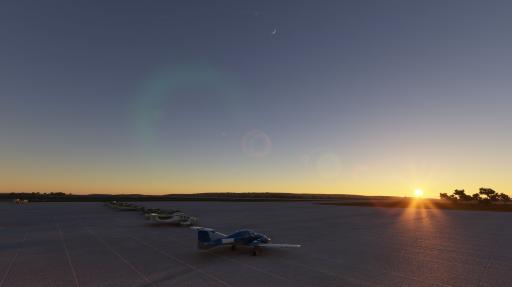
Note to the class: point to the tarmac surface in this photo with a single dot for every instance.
(89, 244)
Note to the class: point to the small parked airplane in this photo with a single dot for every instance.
(208, 238)
(20, 201)
(178, 218)
(149, 211)
(111, 204)
(124, 206)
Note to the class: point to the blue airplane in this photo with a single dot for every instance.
(208, 238)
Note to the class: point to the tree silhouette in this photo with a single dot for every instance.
(450, 197)
(490, 193)
(461, 194)
(484, 196)
(503, 197)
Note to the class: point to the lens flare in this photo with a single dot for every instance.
(256, 143)
(162, 89)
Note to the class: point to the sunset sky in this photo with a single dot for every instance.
(360, 97)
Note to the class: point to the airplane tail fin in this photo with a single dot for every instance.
(191, 221)
(205, 236)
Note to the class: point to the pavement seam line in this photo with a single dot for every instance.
(329, 273)
(385, 271)
(12, 261)
(290, 261)
(484, 272)
(181, 261)
(120, 256)
(298, 264)
(242, 263)
(71, 266)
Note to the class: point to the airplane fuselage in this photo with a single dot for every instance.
(241, 237)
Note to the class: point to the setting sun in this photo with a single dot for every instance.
(418, 193)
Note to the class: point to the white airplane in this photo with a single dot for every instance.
(20, 201)
(149, 211)
(208, 238)
(177, 218)
(123, 206)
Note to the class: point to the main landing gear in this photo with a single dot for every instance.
(256, 250)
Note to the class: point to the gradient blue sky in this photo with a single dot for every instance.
(366, 97)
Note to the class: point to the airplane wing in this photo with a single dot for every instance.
(199, 228)
(278, 245)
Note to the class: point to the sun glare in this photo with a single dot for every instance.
(418, 193)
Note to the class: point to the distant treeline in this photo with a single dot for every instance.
(227, 196)
(484, 196)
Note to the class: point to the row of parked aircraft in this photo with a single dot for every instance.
(207, 238)
(157, 215)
